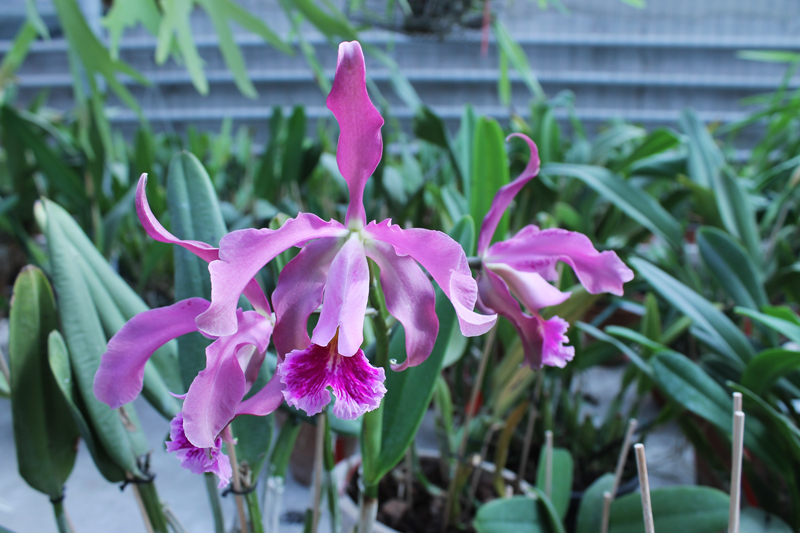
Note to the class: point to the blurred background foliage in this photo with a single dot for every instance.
(713, 236)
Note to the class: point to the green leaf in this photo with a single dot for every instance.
(769, 56)
(725, 337)
(59, 176)
(590, 512)
(684, 509)
(769, 366)
(754, 520)
(782, 320)
(657, 141)
(563, 468)
(194, 214)
(108, 289)
(333, 24)
(123, 15)
(633, 201)
(45, 435)
(16, 55)
(689, 386)
(60, 367)
(781, 427)
(611, 140)
(516, 56)
(705, 159)
(519, 514)
(293, 146)
(265, 182)
(489, 172)
(732, 267)
(550, 511)
(409, 393)
(122, 440)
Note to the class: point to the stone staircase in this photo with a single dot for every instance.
(641, 65)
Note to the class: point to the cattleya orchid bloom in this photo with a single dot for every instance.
(198, 460)
(331, 269)
(523, 266)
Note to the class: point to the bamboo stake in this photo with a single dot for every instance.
(644, 482)
(623, 457)
(318, 451)
(736, 471)
(737, 402)
(532, 416)
(147, 525)
(607, 499)
(237, 483)
(548, 463)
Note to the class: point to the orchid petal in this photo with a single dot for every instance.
(529, 287)
(155, 230)
(506, 194)
(357, 385)
(360, 143)
(346, 294)
(198, 460)
(215, 393)
(445, 261)
(265, 401)
(243, 253)
(299, 293)
(535, 250)
(542, 340)
(119, 379)
(255, 295)
(409, 298)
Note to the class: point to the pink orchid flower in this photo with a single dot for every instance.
(523, 266)
(215, 397)
(332, 270)
(198, 460)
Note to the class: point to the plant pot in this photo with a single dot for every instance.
(345, 470)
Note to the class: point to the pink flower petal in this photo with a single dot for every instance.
(529, 287)
(360, 143)
(243, 253)
(542, 340)
(204, 251)
(198, 460)
(357, 385)
(119, 378)
(216, 392)
(265, 401)
(346, 294)
(154, 228)
(535, 250)
(409, 298)
(445, 261)
(299, 293)
(506, 194)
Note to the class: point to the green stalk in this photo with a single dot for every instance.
(330, 482)
(216, 505)
(372, 426)
(278, 463)
(254, 510)
(152, 506)
(61, 517)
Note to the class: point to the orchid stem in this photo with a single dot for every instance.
(150, 503)
(329, 481)
(216, 505)
(237, 483)
(256, 521)
(62, 520)
(372, 427)
(318, 460)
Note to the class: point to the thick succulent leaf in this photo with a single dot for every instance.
(45, 435)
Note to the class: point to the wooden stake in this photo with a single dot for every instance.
(736, 470)
(623, 456)
(318, 452)
(644, 482)
(548, 463)
(607, 499)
